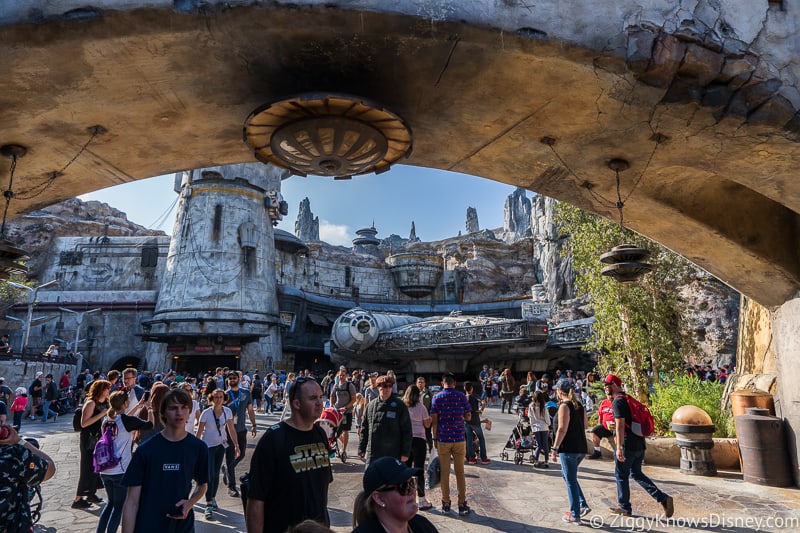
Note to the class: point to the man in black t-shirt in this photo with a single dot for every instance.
(629, 455)
(343, 397)
(159, 477)
(290, 470)
(473, 427)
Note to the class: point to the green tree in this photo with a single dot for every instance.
(640, 325)
(10, 296)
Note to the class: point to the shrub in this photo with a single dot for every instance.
(685, 390)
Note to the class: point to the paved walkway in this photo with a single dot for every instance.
(503, 496)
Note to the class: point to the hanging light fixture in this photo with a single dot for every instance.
(335, 135)
(625, 263)
(10, 254)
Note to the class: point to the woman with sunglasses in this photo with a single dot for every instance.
(388, 503)
(219, 419)
(570, 448)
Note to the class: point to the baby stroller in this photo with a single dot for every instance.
(331, 421)
(521, 440)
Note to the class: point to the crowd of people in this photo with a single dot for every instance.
(174, 436)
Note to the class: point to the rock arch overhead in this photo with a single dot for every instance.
(701, 102)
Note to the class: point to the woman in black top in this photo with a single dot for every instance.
(570, 448)
(388, 504)
(91, 419)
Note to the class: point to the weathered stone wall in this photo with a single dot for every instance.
(22, 373)
(787, 348)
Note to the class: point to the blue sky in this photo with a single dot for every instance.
(435, 200)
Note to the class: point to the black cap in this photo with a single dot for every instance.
(386, 471)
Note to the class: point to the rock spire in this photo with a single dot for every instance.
(516, 216)
(472, 220)
(306, 227)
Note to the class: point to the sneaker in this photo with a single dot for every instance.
(619, 511)
(669, 506)
(209, 512)
(569, 519)
(594, 455)
(486, 461)
(445, 507)
(80, 504)
(585, 511)
(424, 505)
(472, 461)
(94, 498)
(463, 509)
(214, 505)
(233, 493)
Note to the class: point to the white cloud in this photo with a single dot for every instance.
(336, 234)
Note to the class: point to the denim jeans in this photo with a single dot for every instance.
(471, 431)
(112, 512)
(270, 402)
(542, 444)
(632, 467)
(231, 460)
(569, 471)
(216, 454)
(46, 412)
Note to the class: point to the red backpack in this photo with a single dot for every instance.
(642, 422)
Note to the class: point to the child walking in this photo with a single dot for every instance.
(18, 406)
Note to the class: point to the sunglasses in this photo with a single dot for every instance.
(299, 381)
(404, 488)
(385, 386)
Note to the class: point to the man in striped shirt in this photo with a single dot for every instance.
(449, 411)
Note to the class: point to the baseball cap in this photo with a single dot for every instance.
(386, 471)
(564, 385)
(2, 380)
(611, 378)
(40, 373)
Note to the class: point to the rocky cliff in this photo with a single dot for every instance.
(306, 227)
(36, 232)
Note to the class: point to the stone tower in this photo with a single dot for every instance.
(218, 304)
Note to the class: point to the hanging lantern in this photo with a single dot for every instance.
(626, 263)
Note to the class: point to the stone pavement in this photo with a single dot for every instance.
(503, 496)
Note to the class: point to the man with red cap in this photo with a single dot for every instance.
(629, 455)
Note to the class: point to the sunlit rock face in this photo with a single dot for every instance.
(516, 216)
(306, 227)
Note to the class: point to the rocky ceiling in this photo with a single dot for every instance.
(710, 139)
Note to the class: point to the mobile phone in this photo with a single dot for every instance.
(177, 513)
(146, 396)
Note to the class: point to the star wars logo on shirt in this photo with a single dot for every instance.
(171, 467)
(309, 457)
